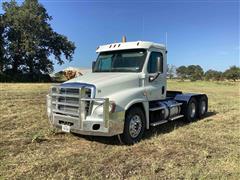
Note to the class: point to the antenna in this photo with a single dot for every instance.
(166, 40)
(143, 23)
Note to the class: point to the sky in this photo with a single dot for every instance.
(203, 32)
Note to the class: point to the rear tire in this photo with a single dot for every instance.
(191, 111)
(134, 126)
(202, 107)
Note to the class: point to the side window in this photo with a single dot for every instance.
(152, 63)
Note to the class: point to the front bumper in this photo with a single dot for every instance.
(109, 125)
(86, 127)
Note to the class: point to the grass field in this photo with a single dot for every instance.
(206, 149)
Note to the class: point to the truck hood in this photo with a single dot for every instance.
(108, 83)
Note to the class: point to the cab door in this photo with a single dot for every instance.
(155, 81)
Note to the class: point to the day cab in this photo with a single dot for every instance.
(125, 94)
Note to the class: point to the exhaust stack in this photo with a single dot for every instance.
(124, 39)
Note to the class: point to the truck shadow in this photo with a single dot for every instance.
(153, 131)
(101, 139)
(171, 126)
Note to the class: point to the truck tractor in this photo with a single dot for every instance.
(125, 94)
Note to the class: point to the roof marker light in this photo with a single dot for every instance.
(114, 45)
(119, 45)
(137, 43)
(110, 46)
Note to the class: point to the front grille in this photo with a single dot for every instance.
(87, 103)
(69, 91)
(67, 101)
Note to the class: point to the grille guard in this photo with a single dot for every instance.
(55, 93)
(110, 124)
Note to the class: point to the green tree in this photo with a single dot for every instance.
(182, 72)
(30, 40)
(195, 72)
(233, 73)
(213, 75)
(2, 50)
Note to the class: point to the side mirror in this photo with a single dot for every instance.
(93, 65)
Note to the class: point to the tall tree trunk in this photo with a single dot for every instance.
(1, 67)
(16, 63)
(30, 64)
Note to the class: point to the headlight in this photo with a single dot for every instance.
(99, 110)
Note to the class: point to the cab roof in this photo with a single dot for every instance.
(129, 45)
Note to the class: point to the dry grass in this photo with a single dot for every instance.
(206, 149)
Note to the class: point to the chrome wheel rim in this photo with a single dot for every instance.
(203, 107)
(193, 110)
(135, 126)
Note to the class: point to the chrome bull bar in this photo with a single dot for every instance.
(80, 121)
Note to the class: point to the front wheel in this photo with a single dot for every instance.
(134, 126)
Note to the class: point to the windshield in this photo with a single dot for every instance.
(121, 61)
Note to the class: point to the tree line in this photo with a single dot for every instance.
(195, 72)
(27, 41)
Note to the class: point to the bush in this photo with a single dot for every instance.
(4, 78)
(192, 72)
(233, 73)
(20, 77)
(213, 75)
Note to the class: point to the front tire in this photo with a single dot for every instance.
(134, 126)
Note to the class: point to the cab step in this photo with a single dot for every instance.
(165, 121)
(158, 123)
(157, 108)
(176, 117)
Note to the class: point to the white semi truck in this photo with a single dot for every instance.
(125, 94)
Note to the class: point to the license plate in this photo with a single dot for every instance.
(66, 128)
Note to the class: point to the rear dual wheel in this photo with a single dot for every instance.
(202, 107)
(196, 109)
(191, 111)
